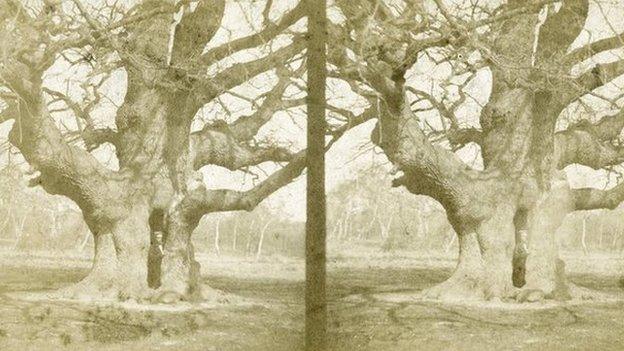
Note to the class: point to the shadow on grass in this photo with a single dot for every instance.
(274, 320)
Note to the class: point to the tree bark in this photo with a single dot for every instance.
(180, 270)
(466, 282)
(484, 268)
(131, 238)
(119, 269)
(544, 270)
(100, 283)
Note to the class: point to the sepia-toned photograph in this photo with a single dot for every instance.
(314, 175)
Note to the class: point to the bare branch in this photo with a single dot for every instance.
(200, 201)
(246, 127)
(239, 73)
(593, 79)
(256, 39)
(74, 106)
(353, 121)
(585, 52)
(216, 146)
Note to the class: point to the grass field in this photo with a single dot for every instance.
(371, 308)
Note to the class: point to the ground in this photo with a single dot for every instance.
(372, 308)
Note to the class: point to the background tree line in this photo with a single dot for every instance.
(361, 212)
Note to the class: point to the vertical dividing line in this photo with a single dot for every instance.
(315, 297)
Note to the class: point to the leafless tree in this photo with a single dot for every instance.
(521, 132)
(160, 47)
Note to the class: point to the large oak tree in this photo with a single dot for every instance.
(536, 76)
(160, 46)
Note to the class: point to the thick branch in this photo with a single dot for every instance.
(428, 169)
(146, 46)
(593, 79)
(248, 200)
(561, 29)
(593, 199)
(65, 170)
(246, 127)
(201, 201)
(583, 148)
(593, 145)
(462, 136)
(217, 146)
(195, 30)
(93, 138)
(585, 52)
(608, 128)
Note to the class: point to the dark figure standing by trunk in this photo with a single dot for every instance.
(521, 250)
(155, 254)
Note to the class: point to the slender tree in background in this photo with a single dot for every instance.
(316, 306)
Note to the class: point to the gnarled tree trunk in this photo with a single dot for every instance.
(119, 267)
(484, 268)
(100, 282)
(157, 152)
(180, 270)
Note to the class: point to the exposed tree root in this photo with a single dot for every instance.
(579, 293)
(462, 286)
(91, 288)
(205, 294)
(140, 293)
(572, 292)
(457, 288)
